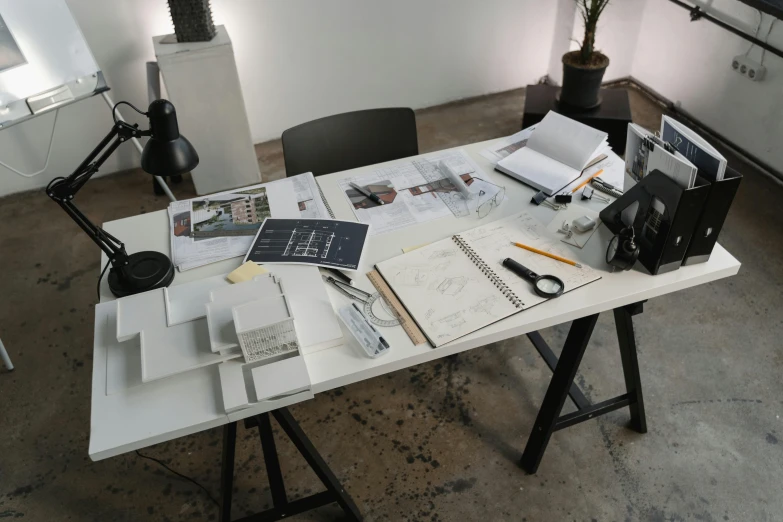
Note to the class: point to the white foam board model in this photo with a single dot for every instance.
(222, 331)
(280, 378)
(232, 384)
(186, 302)
(165, 350)
(161, 410)
(248, 390)
(315, 320)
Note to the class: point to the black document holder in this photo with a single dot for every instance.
(709, 225)
(664, 221)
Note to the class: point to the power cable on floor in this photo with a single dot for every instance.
(179, 475)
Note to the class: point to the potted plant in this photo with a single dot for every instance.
(583, 69)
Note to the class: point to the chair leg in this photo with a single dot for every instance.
(4, 357)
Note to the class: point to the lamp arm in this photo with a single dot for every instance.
(63, 190)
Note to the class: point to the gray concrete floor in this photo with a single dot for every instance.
(437, 442)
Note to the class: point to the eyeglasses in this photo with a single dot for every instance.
(489, 198)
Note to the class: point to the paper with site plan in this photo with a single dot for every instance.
(220, 226)
(413, 192)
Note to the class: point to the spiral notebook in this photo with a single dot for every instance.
(458, 285)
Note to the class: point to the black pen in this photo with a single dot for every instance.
(367, 193)
(338, 275)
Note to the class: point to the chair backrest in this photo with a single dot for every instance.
(350, 140)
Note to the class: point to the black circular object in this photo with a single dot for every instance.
(145, 271)
(623, 251)
(547, 286)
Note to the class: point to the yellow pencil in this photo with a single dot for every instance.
(547, 254)
(585, 182)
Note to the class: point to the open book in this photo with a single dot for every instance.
(556, 153)
(457, 285)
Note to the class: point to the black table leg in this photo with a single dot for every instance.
(314, 459)
(560, 385)
(623, 319)
(227, 471)
(273, 473)
(282, 508)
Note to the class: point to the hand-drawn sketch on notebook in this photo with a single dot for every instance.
(452, 286)
(485, 306)
(442, 254)
(411, 276)
(449, 322)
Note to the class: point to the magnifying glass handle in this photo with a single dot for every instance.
(520, 270)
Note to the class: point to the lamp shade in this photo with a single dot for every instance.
(166, 153)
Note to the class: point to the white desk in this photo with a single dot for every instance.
(189, 403)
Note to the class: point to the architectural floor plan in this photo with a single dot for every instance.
(323, 242)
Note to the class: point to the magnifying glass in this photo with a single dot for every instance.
(545, 285)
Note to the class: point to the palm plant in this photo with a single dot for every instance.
(591, 11)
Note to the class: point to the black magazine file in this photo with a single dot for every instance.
(664, 218)
(713, 215)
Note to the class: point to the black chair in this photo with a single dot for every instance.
(350, 140)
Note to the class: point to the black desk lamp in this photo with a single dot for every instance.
(166, 153)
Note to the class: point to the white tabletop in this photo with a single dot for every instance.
(121, 422)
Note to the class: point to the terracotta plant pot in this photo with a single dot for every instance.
(582, 82)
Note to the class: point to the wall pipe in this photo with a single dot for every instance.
(697, 13)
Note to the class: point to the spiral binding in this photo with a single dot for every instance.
(323, 198)
(487, 271)
(597, 185)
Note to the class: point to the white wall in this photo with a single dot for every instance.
(299, 60)
(119, 34)
(689, 62)
(616, 37)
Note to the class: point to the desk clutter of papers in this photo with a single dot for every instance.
(416, 191)
(220, 226)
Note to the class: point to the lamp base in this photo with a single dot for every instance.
(145, 271)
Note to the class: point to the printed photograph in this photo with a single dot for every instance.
(383, 189)
(439, 186)
(234, 214)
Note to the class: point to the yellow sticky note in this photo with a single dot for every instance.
(411, 248)
(246, 272)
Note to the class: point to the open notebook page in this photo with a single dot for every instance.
(539, 171)
(566, 140)
(445, 292)
(492, 242)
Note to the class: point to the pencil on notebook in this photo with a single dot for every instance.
(585, 182)
(547, 254)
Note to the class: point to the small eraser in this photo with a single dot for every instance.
(246, 272)
(538, 198)
(563, 198)
(584, 223)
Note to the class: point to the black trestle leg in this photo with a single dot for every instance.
(559, 386)
(276, 484)
(623, 319)
(227, 471)
(282, 509)
(317, 463)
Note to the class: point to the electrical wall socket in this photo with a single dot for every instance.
(748, 68)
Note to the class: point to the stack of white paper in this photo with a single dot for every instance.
(556, 153)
